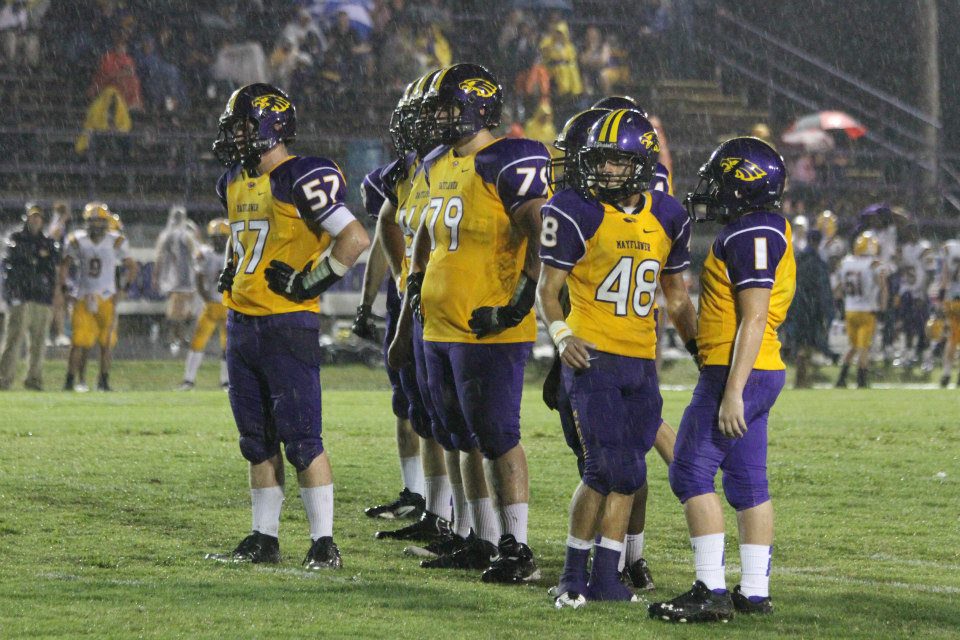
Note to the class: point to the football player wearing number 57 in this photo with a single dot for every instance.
(746, 286)
(284, 212)
(612, 241)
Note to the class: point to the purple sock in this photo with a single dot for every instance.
(605, 578)
(574, 576)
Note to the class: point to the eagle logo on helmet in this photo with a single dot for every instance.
(480, 86)
(742, 169)
(273, 102)
(649, 141)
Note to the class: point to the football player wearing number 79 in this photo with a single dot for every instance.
(746, 286)
(612, 241)
(284, 212)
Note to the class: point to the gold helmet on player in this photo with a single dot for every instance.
(866, 244)
(115, 223)
(827, 224)
(96, 211)
(218, 227)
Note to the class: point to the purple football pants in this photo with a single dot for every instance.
(274, 368)
(701, 449)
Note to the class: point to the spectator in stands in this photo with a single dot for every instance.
(402, 64)
(540, 126)
(195, 63)
(60, 226)
(162, 85)
(433, 49)
(30, 270)
(118, 70)
(560, 58)
(175, 273)
(594, 56)
(526, 69)
(285, 60)
(239, 63)
(351, 54)
(303, 25)
(20, 31)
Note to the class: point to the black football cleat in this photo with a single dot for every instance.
(103, 383)
(475, 554)
(514, 564)
(428, 528)
(697, 605)
(408, 505)
(945, 381)
(743, 604)
(256, 548)
(447, 545)
(638, 574)
(323, 554)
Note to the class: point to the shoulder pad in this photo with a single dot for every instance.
(505, 151)
(298, 170)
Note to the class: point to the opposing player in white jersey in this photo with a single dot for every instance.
(175, 273)
(209, 263)
(863, 287)
(92, 258)
(950, 295)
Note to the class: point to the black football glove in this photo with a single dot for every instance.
(225, 281)
(414, 284)
(364, 325)
(300, 285)
(489, 320)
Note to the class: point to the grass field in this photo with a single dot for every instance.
(108, 503)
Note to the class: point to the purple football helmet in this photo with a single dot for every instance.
(461, 100)
(570, 140)
(257, 118)
(618, 102)
(742, 175)
(622, 137)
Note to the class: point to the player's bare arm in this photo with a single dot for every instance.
(574, 351)
(752, 307)
(680, 308)
(391, 238)
(399, 352)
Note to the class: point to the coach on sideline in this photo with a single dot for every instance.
(30, 269)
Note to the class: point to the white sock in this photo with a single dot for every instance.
(708, 559)
(577, 543)
(755, 562)
(438, 496)
(947, 367)
(224, 376)
(194, 358)
(318, 502)
(486, 523)
(633, 544)
(412, 472)
(462, 516)
(513, 520)
(266, 510)
(613, 545)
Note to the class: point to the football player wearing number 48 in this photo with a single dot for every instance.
(612, 241)
(284, 212)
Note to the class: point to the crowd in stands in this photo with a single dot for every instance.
(163, 60)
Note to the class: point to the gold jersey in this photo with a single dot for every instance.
(476, 252)
(273, 217)
(755, 250)
(615, 258)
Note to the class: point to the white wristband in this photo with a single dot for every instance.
(337, 267)
(558, 331)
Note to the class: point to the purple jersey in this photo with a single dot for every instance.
(372, 192)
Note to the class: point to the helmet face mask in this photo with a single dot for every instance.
(257, 118)
(619, 156)
(704, 204)
(565, 168)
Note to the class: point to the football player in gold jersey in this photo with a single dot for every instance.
(284, 212)
(746, 287)
(613, 242)
(473, 275)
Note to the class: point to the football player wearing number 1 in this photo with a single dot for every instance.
(747, 285)
(474, 273)
(284, 211)
(611, 240)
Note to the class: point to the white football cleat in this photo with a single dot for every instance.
(81, 388)
(569, 600)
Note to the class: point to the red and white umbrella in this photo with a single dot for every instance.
(829, 121)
